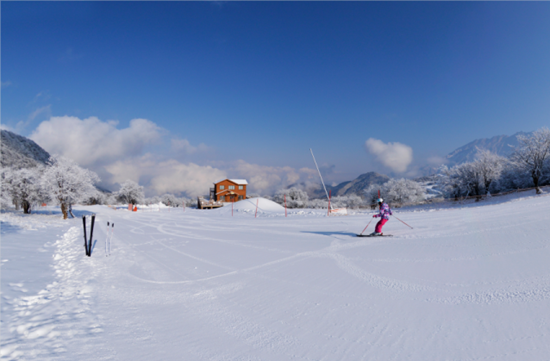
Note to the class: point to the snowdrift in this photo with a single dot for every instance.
(249, 205)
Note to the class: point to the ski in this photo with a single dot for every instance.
(372, 235)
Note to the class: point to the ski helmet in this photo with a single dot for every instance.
(380, 200)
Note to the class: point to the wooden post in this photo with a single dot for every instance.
(257, 201)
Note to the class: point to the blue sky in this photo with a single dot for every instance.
(238, 85)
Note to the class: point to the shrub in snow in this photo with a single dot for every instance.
(67, 183)
(130, 193)
(532, 156)
(295, 198)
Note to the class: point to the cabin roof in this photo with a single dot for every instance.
(236, 181)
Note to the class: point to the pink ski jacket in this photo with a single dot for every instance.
(385, 212)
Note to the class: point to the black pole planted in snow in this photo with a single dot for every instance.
(91, 236)
(85, 240)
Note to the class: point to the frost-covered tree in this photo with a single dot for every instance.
(170, 200)
(462, 180)
(532, 155)
(351, 201)
(67, 183)
(152, 200)
(317, 203)
(97, 198)
(130, 192)
(489, 167)
(295, 198)
(402, 191)
(23, 187)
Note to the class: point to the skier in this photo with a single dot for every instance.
(385, 213)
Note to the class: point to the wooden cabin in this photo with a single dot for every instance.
(229, 190)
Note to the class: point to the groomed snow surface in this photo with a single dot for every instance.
(467, 283)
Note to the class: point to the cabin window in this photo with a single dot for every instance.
(222, 187)
(241, 188)
(231, 187)
(240, 198)
(222, 198)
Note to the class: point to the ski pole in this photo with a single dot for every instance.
(366, 226)
(91, 237)
(85, 236)
(403, 222)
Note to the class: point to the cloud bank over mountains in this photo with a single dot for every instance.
(136, 153)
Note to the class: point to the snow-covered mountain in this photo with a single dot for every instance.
(500, 144)
(20, 152)
(347, 188)
(360, 183)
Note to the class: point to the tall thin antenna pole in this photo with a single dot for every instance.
(320, 176)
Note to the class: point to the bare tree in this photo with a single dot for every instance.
(532, 154)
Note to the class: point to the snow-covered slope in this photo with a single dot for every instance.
(468, 283)
(20, 152)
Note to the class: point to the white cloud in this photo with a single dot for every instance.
(168, 176)
(92, 142)
(395, 156)
(266, 179)
(6, 84)
(118, 155)
(184, 146)
(44, 110)
(174, 177)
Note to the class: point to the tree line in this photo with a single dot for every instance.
(527, 167)
(62, 182)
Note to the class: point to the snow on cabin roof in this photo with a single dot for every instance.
(236, 181)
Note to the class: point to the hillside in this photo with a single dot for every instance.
(20, 152)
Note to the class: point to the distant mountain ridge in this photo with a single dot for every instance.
(359, 184)
(20, 152)
(500, 144)
(347, 188)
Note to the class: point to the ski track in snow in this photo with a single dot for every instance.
(299, 288)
